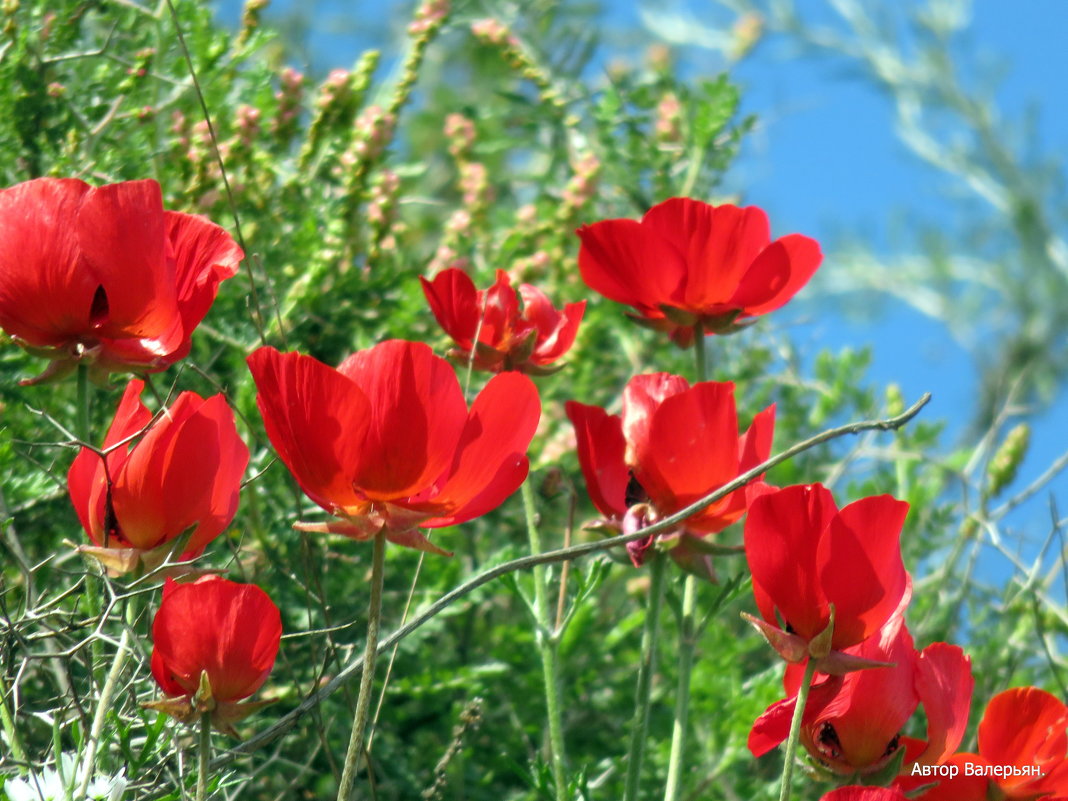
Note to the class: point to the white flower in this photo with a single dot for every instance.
(48, 785)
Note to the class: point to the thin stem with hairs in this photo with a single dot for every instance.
(363, 702)
(646, 669)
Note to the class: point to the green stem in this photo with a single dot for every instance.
(204, 757)
(103, 706)
(687, 645)
(8, 722)
(83, 429)
(548, 644)
(687, 631)
(83, 432)
(367, 680)
(699, 350)
(795, 731)
(650, 637)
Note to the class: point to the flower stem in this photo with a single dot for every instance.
(650, 637)
(687, 630)
(699, 350)
(687, 645)
(548, 645)
(83, 431)
(204, 757)
(103, 706)
(82, 421)
(363, 703)
(795, 731)
(8, 722)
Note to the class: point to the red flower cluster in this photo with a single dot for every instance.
(386, 440)
(491, 323)
(1023, 753)
(832, 592)
(807, 556)
(688, 262)
(166, 487)
(672, 445)
(851, 724)
(214, 644)
(105, 274)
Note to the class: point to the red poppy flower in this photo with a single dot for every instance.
(387, 441)
(1023, 751)
(688, 262)
(672, 445)
(806, 555)
(503, 336)
(182, 477)
(851, 724)
(854, 793)
(104, 274)
(213, 644)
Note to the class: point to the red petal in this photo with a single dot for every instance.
(782, 530)
(772, 727)
(562, 338)
(204, 255)
(87, 481)
(944, 683)
(754, 446)
(539, 311)
(1026, 726)
(628, 263)
(500, 314)
(718, 243)
(860, 566)
(417, 416)
(186, 471)
(962, 787)
(230, 630)
(316, 419)
(122, 236)
(873, 705)
(778, 274)
(490, 461)
(641, 398)
(864, 794)
(46, 291)
(454, 301)
(692, 446)
(600, 445)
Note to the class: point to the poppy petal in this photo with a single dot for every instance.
(860, 566)
(944, 684)
(777, 274)
(418, 414)
(454, 301)
(46, 291)
(316, 419)
(490, 461)
(601, 447)
(781, 532)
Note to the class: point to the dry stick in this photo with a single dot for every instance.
(289, 720)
